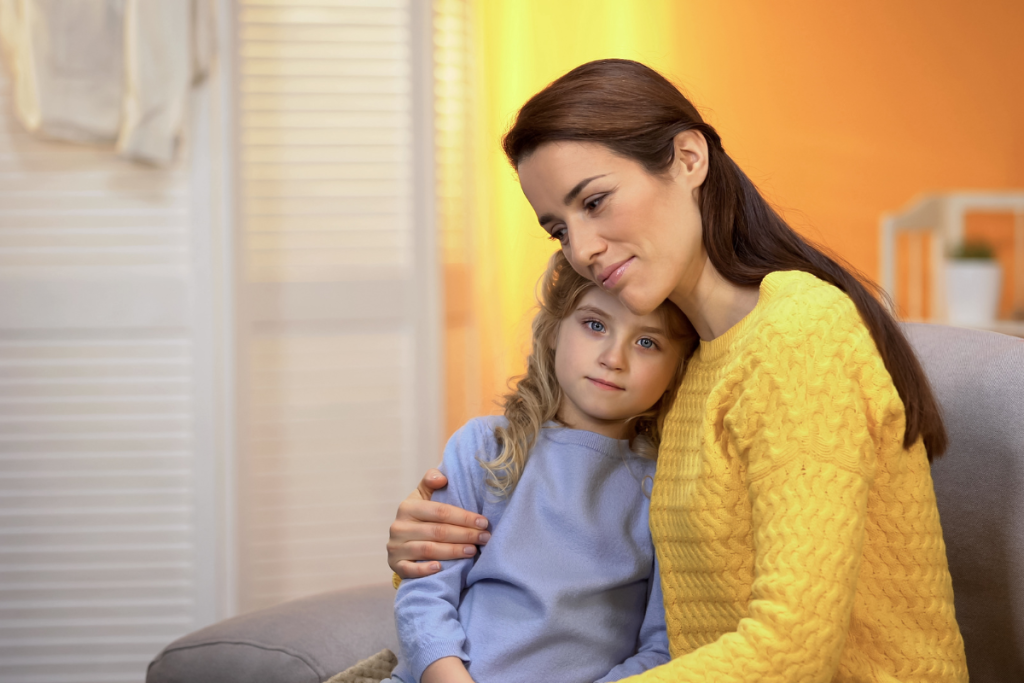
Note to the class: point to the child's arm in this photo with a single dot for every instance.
(446, 670)
(652, 645)
(427, 609)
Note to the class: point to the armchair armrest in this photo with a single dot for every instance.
(301, 641)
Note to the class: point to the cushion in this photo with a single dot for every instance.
(371, 670)
(978, 378)
(302, 641)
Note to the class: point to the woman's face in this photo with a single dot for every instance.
(635, 234)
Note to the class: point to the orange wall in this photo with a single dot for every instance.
(840, 111)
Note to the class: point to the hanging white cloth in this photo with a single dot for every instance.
(107, 71)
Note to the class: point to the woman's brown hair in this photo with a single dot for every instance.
(636, 112)
(537, 396)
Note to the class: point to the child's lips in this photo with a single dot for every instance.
(604, 384)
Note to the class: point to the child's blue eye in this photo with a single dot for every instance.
(595, 325)
(647, 343)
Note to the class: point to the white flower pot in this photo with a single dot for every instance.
(972, 291)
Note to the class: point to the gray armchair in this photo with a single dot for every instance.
(979, 380)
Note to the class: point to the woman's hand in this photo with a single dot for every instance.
(423, 530)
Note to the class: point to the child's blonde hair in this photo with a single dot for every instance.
(537, 395)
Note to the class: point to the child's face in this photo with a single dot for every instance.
(611, 364)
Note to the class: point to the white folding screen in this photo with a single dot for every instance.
(340, 395)
(112, 358)
(121, 337)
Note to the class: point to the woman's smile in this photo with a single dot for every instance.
(611, 275)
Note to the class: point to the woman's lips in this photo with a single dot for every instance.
(606, 385)
(611, 276)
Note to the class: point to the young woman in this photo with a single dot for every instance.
(560, 480)
(792, 513)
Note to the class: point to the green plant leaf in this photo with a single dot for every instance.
(974, 249)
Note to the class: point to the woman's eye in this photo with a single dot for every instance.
(595, 325)
(647, 343)
(592, 203)
(561, 234)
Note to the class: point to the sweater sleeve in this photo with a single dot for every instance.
(802, 424)
(427, 608)
(652, 646)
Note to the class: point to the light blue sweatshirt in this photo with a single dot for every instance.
(566, 590)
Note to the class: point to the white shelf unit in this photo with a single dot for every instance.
(943, 216)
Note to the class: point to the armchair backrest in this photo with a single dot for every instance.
(978, 378)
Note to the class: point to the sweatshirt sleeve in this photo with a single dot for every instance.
(804, 426)
(427, 608)
(652, 645)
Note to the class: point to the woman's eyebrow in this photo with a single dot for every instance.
(574, 192)
(571, 195)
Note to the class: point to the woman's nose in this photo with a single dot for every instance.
(584, 246)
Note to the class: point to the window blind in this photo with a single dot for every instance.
(339, 395)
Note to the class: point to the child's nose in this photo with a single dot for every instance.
(613, 356)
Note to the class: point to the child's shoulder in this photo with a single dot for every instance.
(481, 428)
(486, 423)
(476, 438)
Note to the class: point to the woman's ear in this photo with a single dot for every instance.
(690, 165)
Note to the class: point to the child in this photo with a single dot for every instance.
(535, 605)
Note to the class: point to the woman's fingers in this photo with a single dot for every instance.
(414, 509)
(432, 481)
(432, 531)
(409, 537)
(424, 530)
(407, 569)
(424, 550)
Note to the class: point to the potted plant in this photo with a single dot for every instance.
(973, 283)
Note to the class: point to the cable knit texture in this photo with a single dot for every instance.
(798, 539)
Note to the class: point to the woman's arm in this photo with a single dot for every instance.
(424, 530)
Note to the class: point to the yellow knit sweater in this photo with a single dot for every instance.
(798, 539)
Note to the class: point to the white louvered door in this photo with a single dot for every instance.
(340, 380)
(110, 337)
(120, 362)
